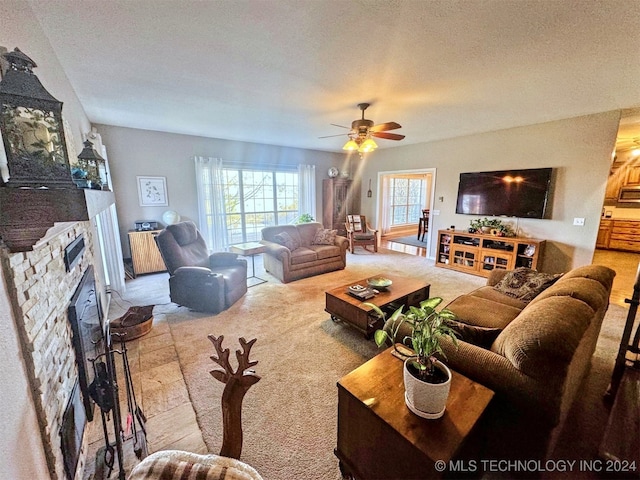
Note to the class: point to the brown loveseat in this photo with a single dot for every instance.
(533, 355)
(308, 254)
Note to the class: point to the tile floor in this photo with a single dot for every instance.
(160, 388)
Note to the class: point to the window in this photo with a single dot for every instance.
(406, 194)
(255, 199)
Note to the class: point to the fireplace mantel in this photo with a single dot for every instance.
(27, 213)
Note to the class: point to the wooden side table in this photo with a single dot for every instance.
(250, 249)
(378, 437)
(145, 256)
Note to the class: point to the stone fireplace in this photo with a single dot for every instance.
(40, 289)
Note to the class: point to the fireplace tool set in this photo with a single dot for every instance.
(105, 392)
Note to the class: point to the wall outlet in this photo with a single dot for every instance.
(578, 221)
(435, 212)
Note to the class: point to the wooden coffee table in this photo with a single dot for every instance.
(378, 437)
(403, 291)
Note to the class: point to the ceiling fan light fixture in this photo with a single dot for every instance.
(350, 146)
(368, 146)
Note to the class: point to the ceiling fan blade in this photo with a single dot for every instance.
(388, 136)
(341, 126)
(338, 135)
(383, 127)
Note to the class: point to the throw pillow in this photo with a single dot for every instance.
(525, 284)
(283, 238)
(480, 336)
(324, 236)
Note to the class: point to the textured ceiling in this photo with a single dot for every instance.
(282, 71)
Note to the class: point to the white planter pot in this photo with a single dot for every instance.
(427, 400)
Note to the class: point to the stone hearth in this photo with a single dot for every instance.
(40, 289)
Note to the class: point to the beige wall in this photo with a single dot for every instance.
(135, 152)
(21, 450)
(579, 149)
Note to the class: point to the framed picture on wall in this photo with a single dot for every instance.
(152, 191)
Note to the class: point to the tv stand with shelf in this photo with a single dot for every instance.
(479, 253)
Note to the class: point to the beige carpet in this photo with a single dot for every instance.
(289, 417)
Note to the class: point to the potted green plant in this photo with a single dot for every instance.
(426, 379)
(491, 226)
(304, 218)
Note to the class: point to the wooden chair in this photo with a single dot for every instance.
(423, 224)
(359, 232)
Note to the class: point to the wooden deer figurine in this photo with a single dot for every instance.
(237, 384)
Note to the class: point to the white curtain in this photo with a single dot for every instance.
(385, 209)
(211, 207)
(307, 190)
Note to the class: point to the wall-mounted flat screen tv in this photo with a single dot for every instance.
(511, 193)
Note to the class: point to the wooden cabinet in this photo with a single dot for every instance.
(625, 235)
(604, 233)
(145, 255)
(479, 254)
(340, 196)
(621, 174)
(632, 176)
(614, 183)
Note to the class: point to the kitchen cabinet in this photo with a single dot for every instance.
(614, 183)
(604, 233)
(625, 235)
(632, 176)
(621, 175)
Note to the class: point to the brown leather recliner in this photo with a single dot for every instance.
(202, 282)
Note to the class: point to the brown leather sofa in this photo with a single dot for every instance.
(305, 258)
(536, 357)
(199, 280)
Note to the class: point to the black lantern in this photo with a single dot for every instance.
(32, 129)
(91, 170)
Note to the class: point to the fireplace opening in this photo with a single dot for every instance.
(74, 420)
(87, 324)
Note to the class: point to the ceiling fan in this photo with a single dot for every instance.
(363, 129)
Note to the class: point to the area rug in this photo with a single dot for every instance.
(409, 240)
(289, 416)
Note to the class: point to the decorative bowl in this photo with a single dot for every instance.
(379, 283)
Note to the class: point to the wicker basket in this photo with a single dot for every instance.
(133, 324)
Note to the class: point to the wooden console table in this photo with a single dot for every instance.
(379, 438)
(479, 253)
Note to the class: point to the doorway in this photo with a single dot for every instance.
(624, 165)
(403, 194)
